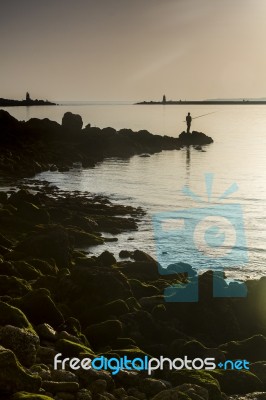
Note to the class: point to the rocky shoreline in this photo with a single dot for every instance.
(30, 147)
(56, 297)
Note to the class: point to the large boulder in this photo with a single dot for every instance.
(13, 377)
(72, 122)
(104, 333)
(40, 308)
(23, 342)
(10, 315)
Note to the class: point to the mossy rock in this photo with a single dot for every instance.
(13, 286)
(10, 315)
(32, 213)
(104, 333)
(200, 378)
(30, 396)
(113, 309)
(43, 266)
(72, 349)
(26, 270)
(40, 308)
(237, 382)
(82, 238)
(252, 349)
(141, 289)
(134, 352)
(13, 377)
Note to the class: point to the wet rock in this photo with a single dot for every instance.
(84, 394)
(24, 343)
(25, 270)
(13, 377)
(45, 355)
(63, 376)
(72, 122)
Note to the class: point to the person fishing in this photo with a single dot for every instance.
(188, 121)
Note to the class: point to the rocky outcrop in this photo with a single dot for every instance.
(194, 138)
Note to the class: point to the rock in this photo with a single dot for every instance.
(40, 308)
(12, 286)
(84, 394)
(13, 377)
(44, 267)
(24, 343)
(142, 270)
(237, 382)
(3, 240)
(259, 369)
(106, 259)
(252, 349)
(141, 289)
(48, 242)
(10, 315)
(32, 213)
(42, 371)
(103, 333)
(125, 254)
(46, 332)
(98, 387)
(46, 355)
(61, 375)
(72, 122)
(55, 387)
(30, 396)
(194, 138)
(71, 349)
(152, 386)
(194, 392)
(113, 309)
(200, 378)
(26, 271)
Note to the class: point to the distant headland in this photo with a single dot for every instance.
(26, 102)
(207, 102)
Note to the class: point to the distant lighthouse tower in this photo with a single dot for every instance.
(164, 99)
(28, 99)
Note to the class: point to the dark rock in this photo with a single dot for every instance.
(194, 138)
(252, 349)
(72, 122)
(10, 315)
(55, 387)
(237, 382)
(72, 349)
(49, 241)
(30, 396)
(106, 259)
(40, 308)
(24, 343)
(12, 286)
(13, 377)
(32, 213)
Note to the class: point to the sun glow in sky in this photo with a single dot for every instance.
(133, 49)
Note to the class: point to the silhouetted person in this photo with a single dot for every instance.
(188, 120)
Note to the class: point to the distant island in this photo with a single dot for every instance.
(207, 102)
(26, 102)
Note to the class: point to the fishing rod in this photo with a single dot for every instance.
(203, 115)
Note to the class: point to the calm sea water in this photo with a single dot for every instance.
(238, 155)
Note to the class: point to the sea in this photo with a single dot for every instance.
(204, 206)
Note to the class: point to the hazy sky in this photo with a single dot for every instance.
(132, 49)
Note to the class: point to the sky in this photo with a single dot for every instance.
(130, 50)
